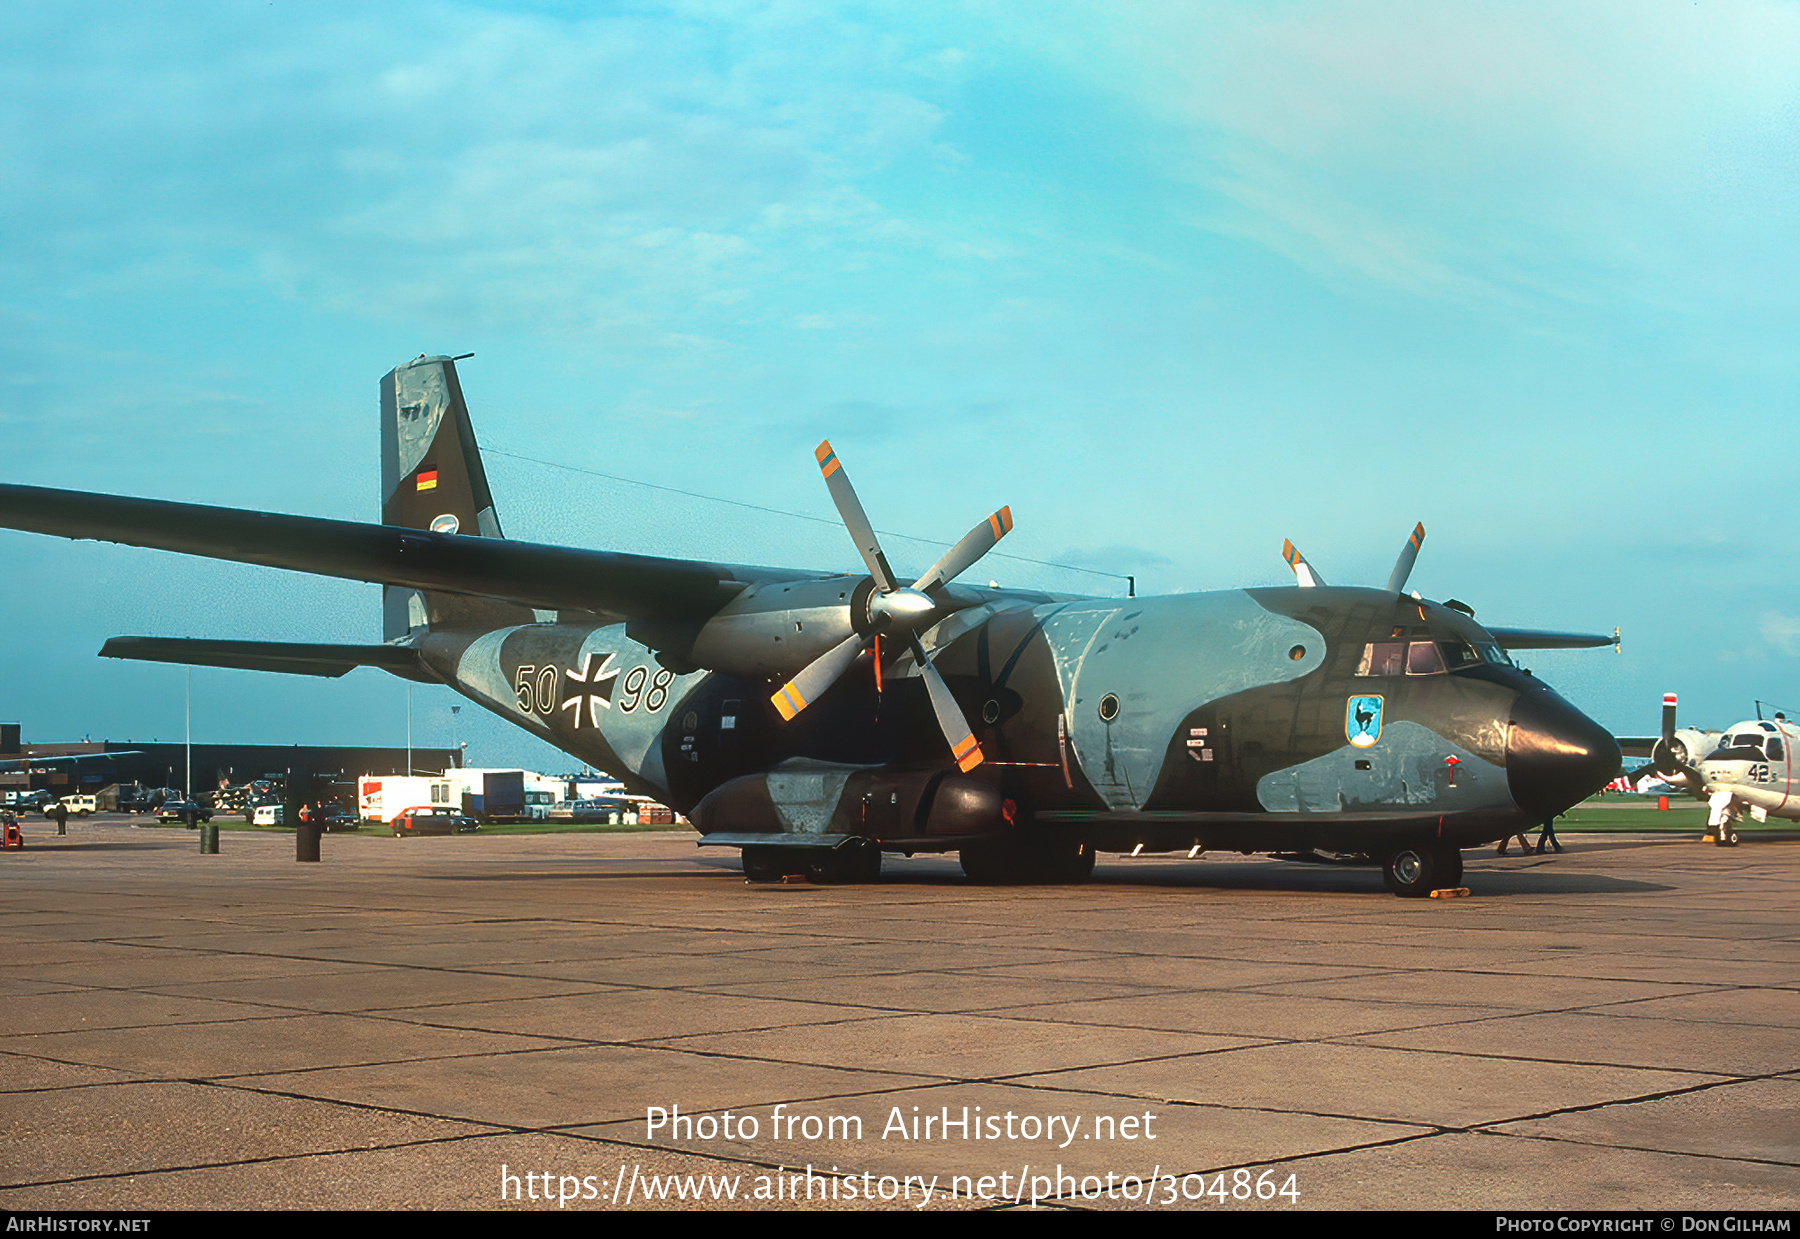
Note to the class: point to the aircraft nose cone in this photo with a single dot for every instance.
(1556, 756)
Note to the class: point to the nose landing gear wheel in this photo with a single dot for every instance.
(1413, 871)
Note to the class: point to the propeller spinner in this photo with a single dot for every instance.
(895, 609)
(1670, 756)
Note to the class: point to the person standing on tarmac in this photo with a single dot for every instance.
(1524, 845)
(62, 818)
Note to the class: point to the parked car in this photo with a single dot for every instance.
(266, 815)
(426, 820)
(590, 810)
(77, 806)
(335, 817)
(177, 811)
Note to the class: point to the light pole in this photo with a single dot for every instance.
(455, 735)
(187, 790)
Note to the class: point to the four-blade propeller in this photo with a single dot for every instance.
(896, 610)
(1669, 757)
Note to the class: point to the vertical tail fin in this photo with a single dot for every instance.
(432, 478)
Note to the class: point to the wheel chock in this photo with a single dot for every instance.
(1450, 892)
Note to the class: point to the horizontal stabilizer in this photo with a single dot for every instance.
(549, 577)
(292, 657)
(1535, 639)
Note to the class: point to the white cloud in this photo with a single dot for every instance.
(1511, 152)
(1782, 631)
(411, 159)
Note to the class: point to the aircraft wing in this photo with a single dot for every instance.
(15, 763)
(1537, 639)
(532, 574)
(292, 657)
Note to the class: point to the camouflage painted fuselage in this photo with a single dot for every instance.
(1238, 719)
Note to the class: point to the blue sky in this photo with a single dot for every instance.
(1173, 281)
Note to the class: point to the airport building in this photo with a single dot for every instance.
(318, 772)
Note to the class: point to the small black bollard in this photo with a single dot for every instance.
(209, 838)
(306, 841)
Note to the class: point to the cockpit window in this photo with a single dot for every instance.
(1745, 746)
(1458, 654)
(1382, 658)
(1422, 658)
(1491, 653)
(1772, 746)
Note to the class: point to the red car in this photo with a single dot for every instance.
(425, 820)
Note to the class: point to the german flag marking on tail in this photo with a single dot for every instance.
(428, 479)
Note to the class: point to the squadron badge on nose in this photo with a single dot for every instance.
(1362, 721)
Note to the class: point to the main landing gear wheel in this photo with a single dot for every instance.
(764, 864)
(1066, 863)
(1053, 862)
(1414, 870)
(851, 863)
(989, 863)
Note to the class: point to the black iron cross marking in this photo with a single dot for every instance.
(593, 677)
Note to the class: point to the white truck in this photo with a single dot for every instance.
(383, 797)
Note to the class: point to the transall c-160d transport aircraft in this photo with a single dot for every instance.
(816, 720)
